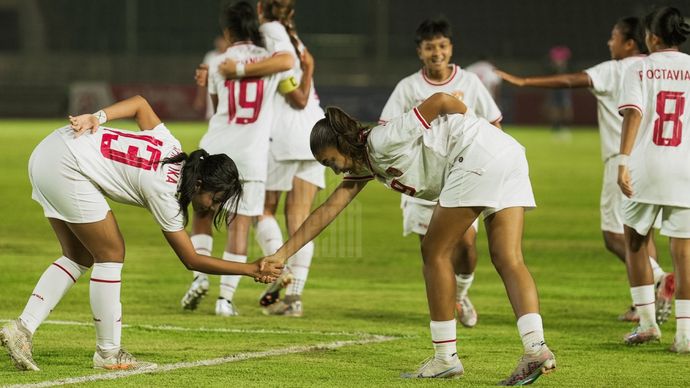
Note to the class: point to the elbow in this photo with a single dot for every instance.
(299, 104)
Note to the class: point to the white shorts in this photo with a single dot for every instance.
(61, 189)
(416, 218)
(502, 183)
(675, 221)
(282, 172)
(252, 201)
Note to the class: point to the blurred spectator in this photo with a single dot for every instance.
(484, 69)
(559, 107)
(203, 100)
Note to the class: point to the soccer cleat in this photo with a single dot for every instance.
(630, 315)
(272, 292)
(433, 368)
(641, 335)
(466, 312)
(122, 360)
(225, 308)
(530, 367)
(293, 309)
(664, 297)
(17, 340)
(198, 289)
(681, 345)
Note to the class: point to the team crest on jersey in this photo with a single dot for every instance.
(393, 171)
(458, 94)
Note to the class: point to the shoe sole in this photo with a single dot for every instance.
(546, 367)
(268, 297)
(18, 360)
(142, 366)
(194, 302)
(636, 343)
(449, 374)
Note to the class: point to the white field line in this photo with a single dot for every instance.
(214, 361)
(212, 329)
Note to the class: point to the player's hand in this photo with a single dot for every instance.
(83, 123)
(624, 181)
(267, 269)
(227, 69)
(307, 62)
(201, 75)
(517, 81)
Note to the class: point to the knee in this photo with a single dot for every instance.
(507, 261)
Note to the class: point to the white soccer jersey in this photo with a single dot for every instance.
(659, 87)
(240, 128)
(485, 71)
(415, 88)
(606, 80)
(412, 157)
(291, 127)
(125, 166)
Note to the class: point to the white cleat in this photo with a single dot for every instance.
(466, 312)
(664, 297)
(681, 344)
(197, 290)
(225, 308)
(272, 292)
(16, 339)
(121, 360)
(292, 309)
(433, 368)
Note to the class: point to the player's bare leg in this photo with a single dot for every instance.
(465, 262)
(504, 230)
(680, 252)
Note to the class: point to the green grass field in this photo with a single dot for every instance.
(365, 280)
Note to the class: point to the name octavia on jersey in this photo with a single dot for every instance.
(674, 75)
(173, 174)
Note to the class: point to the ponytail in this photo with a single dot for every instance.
(669, 25)
(282, 12)
(202, 172)
(341, 131)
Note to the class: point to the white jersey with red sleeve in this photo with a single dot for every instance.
(659, 88)
(606, 79)
(240, 128)
(291, 127)
(126, 167)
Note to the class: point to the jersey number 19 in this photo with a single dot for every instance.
(244, 99)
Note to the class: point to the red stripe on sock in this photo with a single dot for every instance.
(444, 342)
(644, 304)
(682, 318)
(105, 281)
(66, 271)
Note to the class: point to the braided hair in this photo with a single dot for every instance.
(282, 11)
(210, 173)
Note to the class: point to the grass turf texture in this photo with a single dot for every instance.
(365, 277)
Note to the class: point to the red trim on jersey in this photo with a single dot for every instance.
(66, 271)
(498, 120)
(628, 106)
(421, 118)
(105, 281)
(450, 78)
(240, 43)
(444, 342)
(280, 52)
(382, 122)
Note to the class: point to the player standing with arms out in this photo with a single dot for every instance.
(202, 101)
(435, 49)
(440, 151)
(72, 174)
(627, 47)
(240, 127)
(654, 169)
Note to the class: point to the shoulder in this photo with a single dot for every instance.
(274, 30)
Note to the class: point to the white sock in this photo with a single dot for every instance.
(531, 332)
(299, 267)
(443, 338)
(643, 299)
(106, 307)
(682, 318)
(657, 272)
(228, 283)
(57, 279)
(268, 235)
(463, 284)
(203, 245)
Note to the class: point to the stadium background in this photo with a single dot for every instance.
(53, 49)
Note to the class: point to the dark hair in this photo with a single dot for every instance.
(668, 24)
(240, 19)
(210, 173)
(341, 131)
(631, 27)
(431, 28)
(282, 11)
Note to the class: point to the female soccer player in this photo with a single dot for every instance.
(291, 166)
(654, 169)
(241, 128)
(435, 49)
(627, 47)
(71, 175)
(436, 152)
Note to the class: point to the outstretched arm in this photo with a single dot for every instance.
(259, 270)
(631, 124)
(555, 81)
(440, 104)
(136, 107)
(319, 219)
(275, 64)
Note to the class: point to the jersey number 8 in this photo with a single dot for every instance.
(674, 117)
